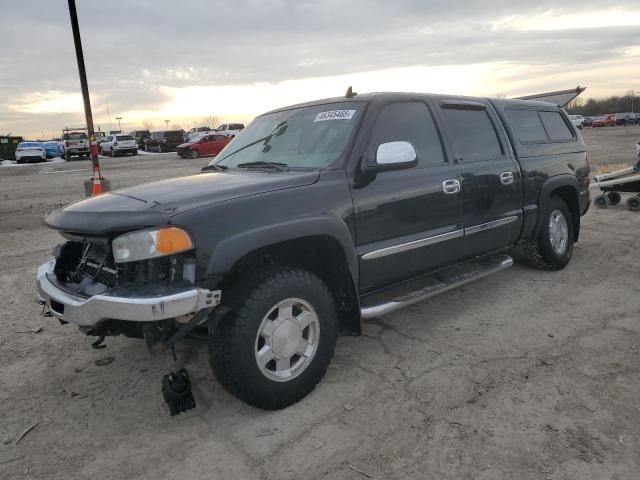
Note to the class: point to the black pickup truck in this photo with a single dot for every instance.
(316, 216)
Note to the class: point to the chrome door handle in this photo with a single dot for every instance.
(452, 186)
(507, 178)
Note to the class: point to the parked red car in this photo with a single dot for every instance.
(604, 121)
(204, 146)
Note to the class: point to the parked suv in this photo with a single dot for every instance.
(317, 216)
(164, 141)
(140, 136)
(229, 129)
(577, 120)
(626, 118)
(117, 145)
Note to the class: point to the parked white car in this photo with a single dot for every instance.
(577, 120)
(30, 152)
(119, 145)
(229, 129)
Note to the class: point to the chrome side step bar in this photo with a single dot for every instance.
(395, 298)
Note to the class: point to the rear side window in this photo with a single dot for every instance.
(555, 126)
(124, 137)
(409, 122)
(473, 134)
(527, 125)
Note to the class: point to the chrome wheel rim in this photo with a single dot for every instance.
(558, 232)
(287, 339)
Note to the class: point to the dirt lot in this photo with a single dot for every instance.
(523, 375)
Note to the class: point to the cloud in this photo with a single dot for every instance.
(146, 59)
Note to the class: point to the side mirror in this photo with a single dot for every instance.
(395, 156)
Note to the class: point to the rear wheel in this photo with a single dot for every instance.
(279, 342)
(67, 156)
(633, 203)
(553, 248)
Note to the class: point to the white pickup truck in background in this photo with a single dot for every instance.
(74, 143)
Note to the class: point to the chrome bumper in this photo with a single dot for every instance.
(119, 304)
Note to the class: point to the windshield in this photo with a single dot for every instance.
(306, 137)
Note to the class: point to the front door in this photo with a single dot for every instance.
(406, 223)
(491, 178)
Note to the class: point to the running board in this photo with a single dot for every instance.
(408, 293)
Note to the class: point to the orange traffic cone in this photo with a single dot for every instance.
(97, 186)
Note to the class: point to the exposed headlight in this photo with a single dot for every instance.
(145, 244)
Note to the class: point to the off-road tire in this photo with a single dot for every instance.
(67, 157)
(232, 341)
(539, 253)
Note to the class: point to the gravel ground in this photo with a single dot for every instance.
(523, 375)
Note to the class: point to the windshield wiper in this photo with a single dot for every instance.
(218, 168)
(276, 132)
(279, 166)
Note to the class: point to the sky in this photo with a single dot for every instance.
(153, 60)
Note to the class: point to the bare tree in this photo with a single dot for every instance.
(210, 121)
(148, 125)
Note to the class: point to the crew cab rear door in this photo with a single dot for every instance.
(491, 178)
(406, 223)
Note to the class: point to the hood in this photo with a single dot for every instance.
(153, 204)
(185, 145)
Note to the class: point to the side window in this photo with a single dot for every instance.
(473, 133)
(527, 125)
(555, 126)
(410, 122)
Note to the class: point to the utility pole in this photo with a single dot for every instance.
(119, 127)
(97, 180)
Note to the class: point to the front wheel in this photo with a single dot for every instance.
(276, 346)
(194, 154)
(553, 248)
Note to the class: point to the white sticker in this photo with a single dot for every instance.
(335, 115)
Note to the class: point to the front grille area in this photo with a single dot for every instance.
(98, 264)
(78, 261)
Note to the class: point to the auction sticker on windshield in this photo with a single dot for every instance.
(335, 115)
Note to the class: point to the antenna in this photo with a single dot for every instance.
(350, 93)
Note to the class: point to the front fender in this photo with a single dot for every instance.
(231, 249)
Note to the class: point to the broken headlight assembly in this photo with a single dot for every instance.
(147, 244)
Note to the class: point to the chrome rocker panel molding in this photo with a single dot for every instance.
(423, 242)
(92, 310)
(403, 247)
(489, 225)
(406, 300)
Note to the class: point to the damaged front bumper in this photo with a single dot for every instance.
(140, 304)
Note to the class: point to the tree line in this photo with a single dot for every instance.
(600, 106)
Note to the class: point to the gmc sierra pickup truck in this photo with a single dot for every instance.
(317, 216)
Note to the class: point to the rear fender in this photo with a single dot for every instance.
(567, 186)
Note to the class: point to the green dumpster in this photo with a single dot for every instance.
(8, 147)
